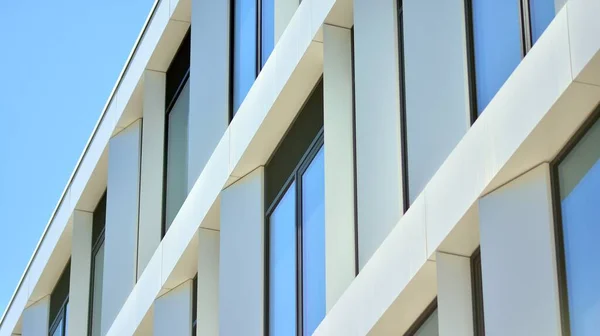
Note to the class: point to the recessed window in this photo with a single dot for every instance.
(97, 267)
(253, 37)
(477, 293)
(59, 304)
(578, 184)
(296, 226)
(427, 323)
(502, 33)
(194, 305)
(176, 124)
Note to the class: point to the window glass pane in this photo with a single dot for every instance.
(430, 326)
(313, 244)
(268, 29)
(579, 181)
(59, 329)
(66, 318)
(97, 290)
(541, 12)
(497, 43)
(282, 266)
(244, 50)
(177, 156)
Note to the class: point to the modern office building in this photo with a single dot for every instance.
(335, 167)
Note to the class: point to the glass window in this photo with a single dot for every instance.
(497, 45)
(282, 266)
(244, 46)
(313, 243)
(427, 323)
(59, 329)
(176, 156)
(579, 187)
(477, 292)
(59, 299)
(98, 271)
(541, 13)
(267, 39)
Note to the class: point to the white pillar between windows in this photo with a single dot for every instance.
(284, 11)
(339, 162)
(35, 318)
(208, 283)
(455, 303)
(121, 231)
(173, 311)
(377, 96)
(520, 286)
(81, 261)
(151, 180)
(241, 265)
(209, 83)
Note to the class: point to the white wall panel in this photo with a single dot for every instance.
(436, 85)
(151, 188)
(377, 96)
(339, 161)
(241, 280)
(81, 263)
(209, 83)
(35, 318)
(520, 286)
(173, 312)
(121, 232)
(454, 299)
(208, 282)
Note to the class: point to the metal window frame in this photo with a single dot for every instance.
(61, 314)
(61, 318)
(477, 294)
(557, 217)
(422, 318)
(295, 177)
(403, 128)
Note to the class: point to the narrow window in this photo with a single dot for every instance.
(177, 98)
(427, 323)
(541, 13)
(296, 226)
(59, 304)
(577, 177)
(477, 293)
(194, 305)
(97, 267)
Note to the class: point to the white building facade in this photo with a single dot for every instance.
(335, 167)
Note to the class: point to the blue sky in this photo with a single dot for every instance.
(59, 62)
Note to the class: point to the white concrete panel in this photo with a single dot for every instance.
(284, 10)
(583, 26)
(377, 96)
(173, 312)
(81, 264)
(339, 162)
(209, 83)
(151, 179)
(208, 283)
(436, 85)
(35, 318)
(454, 298)
(241, 280)
(121, 231)
(520, 286)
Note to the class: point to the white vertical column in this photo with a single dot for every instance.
(241, 265)
(284, 11)
(81, 261)
(35, 318)
(436, 85)
(173, 311)
(121, 231)
(208, 283)
(339, 161)
(377, 96)
(454, 299)
(209, 82)
(151, 180)
(520, 286)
